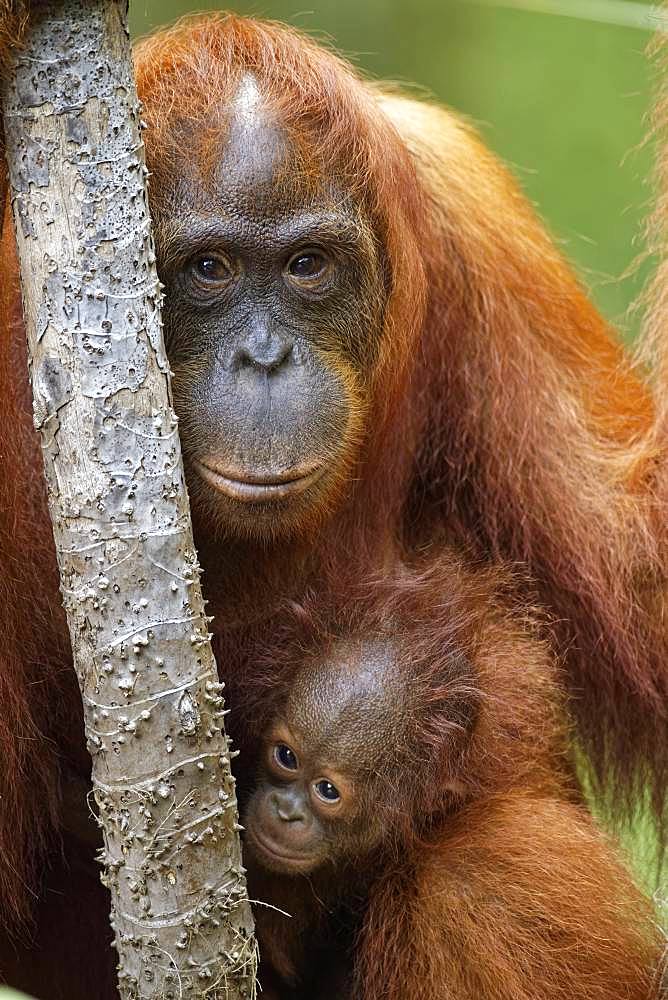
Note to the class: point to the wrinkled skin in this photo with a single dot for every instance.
(272, 318)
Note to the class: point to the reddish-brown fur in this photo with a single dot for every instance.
(522, 898)
(503, 415)
(501, 889)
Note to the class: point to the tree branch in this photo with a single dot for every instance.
(129, 573)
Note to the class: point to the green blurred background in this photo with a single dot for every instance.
(562, 99)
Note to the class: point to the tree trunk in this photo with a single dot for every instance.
(121, 521)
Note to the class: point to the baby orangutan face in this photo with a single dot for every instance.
(321, 763)
(300, 808)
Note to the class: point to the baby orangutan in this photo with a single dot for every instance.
(416, 815)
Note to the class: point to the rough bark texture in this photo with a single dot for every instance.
(129, 571)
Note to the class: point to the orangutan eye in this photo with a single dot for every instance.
(307, 265)
(212, 269)
(285, 757)
(326, 791)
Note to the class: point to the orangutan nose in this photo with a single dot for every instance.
(266, 352)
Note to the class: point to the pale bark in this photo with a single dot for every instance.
(129, 573)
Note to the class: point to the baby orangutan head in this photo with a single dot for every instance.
(337, 767)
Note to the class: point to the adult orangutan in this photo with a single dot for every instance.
(376, 348)
(414, 815)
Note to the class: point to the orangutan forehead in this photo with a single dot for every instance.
(251, 167)
(348, 707)
(256, 150)
(247, 104)
(257, 187)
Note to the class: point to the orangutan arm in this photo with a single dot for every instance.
(522, 899)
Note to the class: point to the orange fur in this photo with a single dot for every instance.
(522, 898)
(13, 21)
(500, 889)
(525, 431)
(503, 415)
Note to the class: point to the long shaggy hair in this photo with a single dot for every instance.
(503, 415)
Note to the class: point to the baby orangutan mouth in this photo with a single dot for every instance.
(279, 859)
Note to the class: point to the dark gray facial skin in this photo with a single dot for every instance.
(274, 303)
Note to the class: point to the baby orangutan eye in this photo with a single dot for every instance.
(285, 757)
(326, 791)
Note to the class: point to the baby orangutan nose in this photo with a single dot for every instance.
(289, 806)
(281, 828)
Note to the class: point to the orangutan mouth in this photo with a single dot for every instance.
(259, 488)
